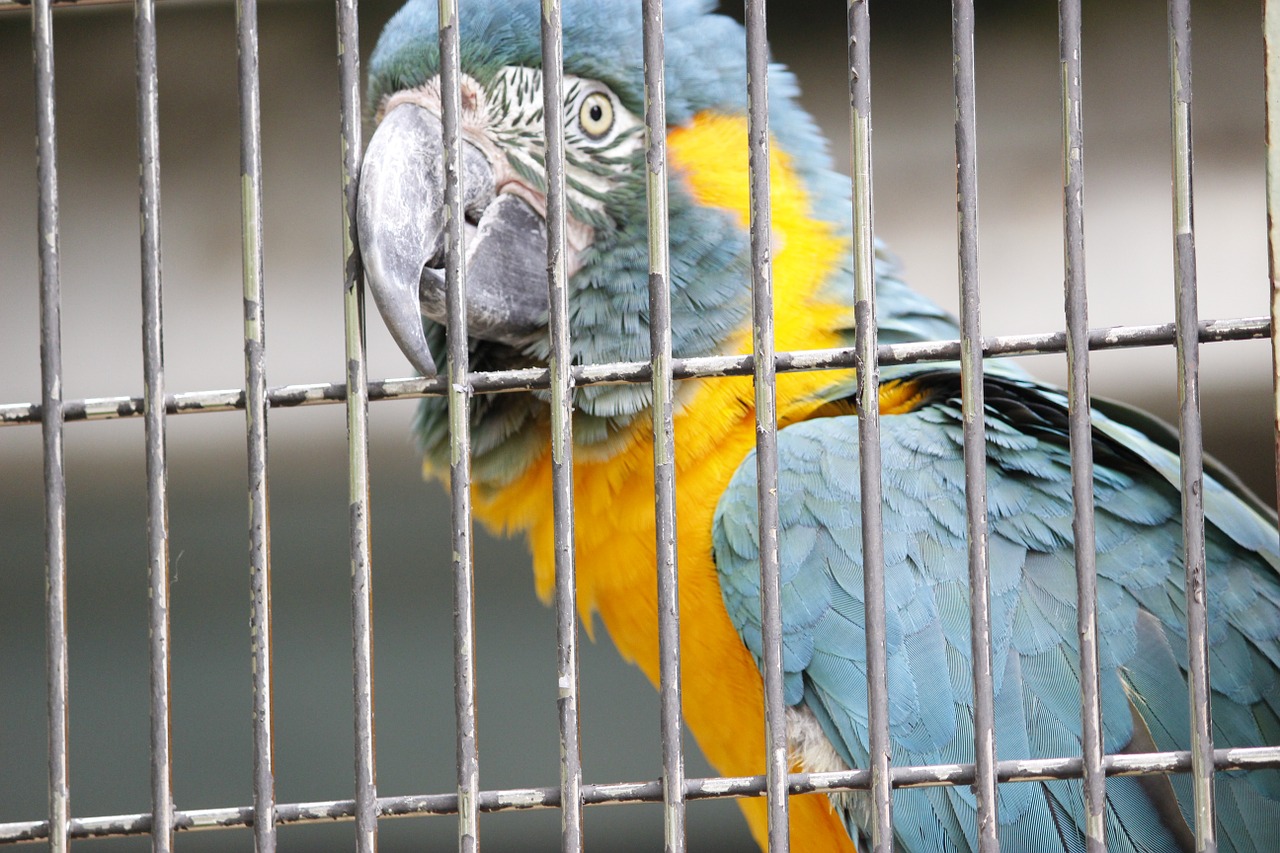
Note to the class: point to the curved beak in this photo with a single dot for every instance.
(401, 223)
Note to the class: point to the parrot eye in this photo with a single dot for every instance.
(595, 115)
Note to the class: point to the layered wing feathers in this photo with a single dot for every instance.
(1141, 615)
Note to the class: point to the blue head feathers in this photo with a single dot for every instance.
(705, 66)
(705, 71)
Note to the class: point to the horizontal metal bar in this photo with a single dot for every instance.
(617, 793)
(539, 378)
(25, 5)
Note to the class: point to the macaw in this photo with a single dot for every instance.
(1141, 616)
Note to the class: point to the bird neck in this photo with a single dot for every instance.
(715, 419)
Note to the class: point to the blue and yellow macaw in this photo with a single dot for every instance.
(1140, 573)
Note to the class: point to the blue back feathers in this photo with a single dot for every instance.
(1141, 615)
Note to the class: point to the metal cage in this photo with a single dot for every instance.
(368, 802)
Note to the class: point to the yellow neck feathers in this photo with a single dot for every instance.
(715, 429)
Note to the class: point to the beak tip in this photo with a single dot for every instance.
(423, 362)
(397, 223)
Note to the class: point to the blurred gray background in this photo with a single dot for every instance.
(1129, 274)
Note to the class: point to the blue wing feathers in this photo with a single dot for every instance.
(1033, 628)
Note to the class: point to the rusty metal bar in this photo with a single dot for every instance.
(539, 378)
(1079, 403)
(154, 414)
(255, 373)
(873, 580)
(1271, 55)
(975, 442)
(51, 420)
(459, 393)
(664, 449)
(25, 5)
(777, 758)
(366, 775)
(566, 596)
(1189, 428)
(615, 793)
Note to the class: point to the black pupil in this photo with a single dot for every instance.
(596, 112)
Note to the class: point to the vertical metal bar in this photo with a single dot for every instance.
(153, 391)
(777, 766)
(859, 29)
(1081, 426)
(664, 444)
(975, 456)
(1271, 40)
(468, 764)
(561, 434)
(255, 377)
(1190, 438)
(366, 776)
(55, 483)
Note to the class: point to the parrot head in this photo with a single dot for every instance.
(401, 215)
